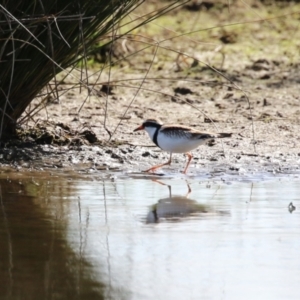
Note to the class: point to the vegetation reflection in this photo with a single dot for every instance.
(35, 258)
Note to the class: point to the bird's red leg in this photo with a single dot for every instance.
(161, 165)
(189, 189)
(190, 156)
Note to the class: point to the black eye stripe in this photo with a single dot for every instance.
(151, 123)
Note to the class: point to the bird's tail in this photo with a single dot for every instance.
(224, 135)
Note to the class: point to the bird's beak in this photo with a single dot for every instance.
(139, 128)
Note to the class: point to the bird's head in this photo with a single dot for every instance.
(149, 124)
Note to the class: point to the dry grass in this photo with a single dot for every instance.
(40, 39)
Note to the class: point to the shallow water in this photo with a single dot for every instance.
(64, 236)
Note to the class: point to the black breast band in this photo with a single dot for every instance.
(155, 137)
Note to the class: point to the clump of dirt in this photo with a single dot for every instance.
(48, 133)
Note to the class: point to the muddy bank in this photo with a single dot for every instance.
(139, 154)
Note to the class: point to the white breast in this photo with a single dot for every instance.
(178, 144)
(151, 132)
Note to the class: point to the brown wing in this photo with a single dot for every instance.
(191, 133)
(184, 131)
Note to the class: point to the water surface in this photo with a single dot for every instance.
(95, 237)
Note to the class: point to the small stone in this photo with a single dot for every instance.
(116, 156)
(145, 154)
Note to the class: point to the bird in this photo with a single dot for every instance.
(175, 138)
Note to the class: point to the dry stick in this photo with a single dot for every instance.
(4, 113)
(41, 105)
(107, 94)
(21, 25)
(10, 81)
(29, 117)
(62, 37)
(139, 88)
(109, 76)
(41, 19)
(84, 52)
(228, 1)
(162, 11)
(211, 83)
(52, 51)
(100, 73)
(45, 104)
(108, 84)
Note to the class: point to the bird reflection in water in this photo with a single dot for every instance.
(175, 208)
